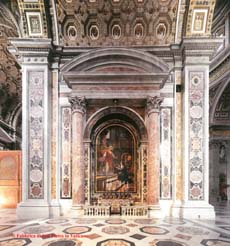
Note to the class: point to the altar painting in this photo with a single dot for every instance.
(115, 160)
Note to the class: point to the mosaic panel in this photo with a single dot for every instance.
(166, 154)
(36, 135)
(66, 153)
(196, 131)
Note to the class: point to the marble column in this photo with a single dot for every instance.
(78, 171)
(153, 172)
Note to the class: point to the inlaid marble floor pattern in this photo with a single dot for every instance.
(115, 231)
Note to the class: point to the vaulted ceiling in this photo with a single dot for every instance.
(113, 22)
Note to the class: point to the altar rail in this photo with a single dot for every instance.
(134, 211)
(105, 211)
(102, 211)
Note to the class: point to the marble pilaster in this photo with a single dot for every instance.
(36, 133)
(196, 59)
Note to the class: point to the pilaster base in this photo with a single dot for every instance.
(194, 210)
(77, 211)
(32, 210)
(154, 211)
(55, 209)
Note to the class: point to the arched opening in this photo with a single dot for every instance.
(115, 137)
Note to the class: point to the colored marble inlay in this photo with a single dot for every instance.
(15, 242)
(154, 230)
(145, 221)
(166, 155)
(77, 230)
(166, 242)
(115, 221)
(56, 221)
(36, 135)
(85, 221)
(117, 242)
(138, 236)
(196, 133)
(38, 229)
(192, 230)
(64, 242)
(66, 153)
(115, 230)
(215, 242)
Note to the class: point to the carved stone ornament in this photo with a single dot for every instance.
(153, 104)
(78, 104)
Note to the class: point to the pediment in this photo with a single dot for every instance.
(114, 66)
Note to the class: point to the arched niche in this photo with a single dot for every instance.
(114, 140)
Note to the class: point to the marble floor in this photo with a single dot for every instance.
(115, 231)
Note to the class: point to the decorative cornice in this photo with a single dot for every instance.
(30, 50)
(78, 104)
(200, 46)
(153, 104)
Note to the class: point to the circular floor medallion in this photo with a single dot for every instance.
(56, 221)
(145, 221)
(77, 230)
(86, 221)
(117, 242)
(115, 230)
(115, 221)
(154, 230)
(64, 242)
(15, 242)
